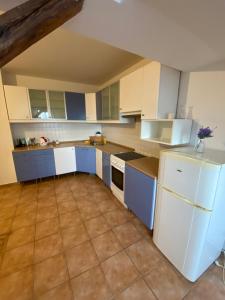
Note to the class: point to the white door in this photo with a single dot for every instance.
(180, 233)
(151, 80)
(131, 91)
(90, 104)
(172, 226)
(17, 102)
(193, 179)
(65, 160)
(99, 163)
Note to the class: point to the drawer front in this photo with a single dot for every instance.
(191, 178)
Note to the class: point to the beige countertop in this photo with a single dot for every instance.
(147, 165)
(108, 148)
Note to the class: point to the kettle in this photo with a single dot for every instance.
(43, 141)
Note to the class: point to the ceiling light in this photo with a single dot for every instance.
(118, 1)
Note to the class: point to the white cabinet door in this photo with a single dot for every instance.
(90, 104)
(160, 91)
(17, 102)
(65, 160)
(99, 163)
(151, 78)
(131, 92)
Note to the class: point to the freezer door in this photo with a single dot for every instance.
(193, 179)
(176, 232)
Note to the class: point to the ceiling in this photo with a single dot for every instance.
(187, 35)
(68, 56)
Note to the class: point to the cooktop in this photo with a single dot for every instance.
(129, 155)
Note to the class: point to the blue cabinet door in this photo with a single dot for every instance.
(45, 163)
(106, 169)
(32, 165)
(75, 106)
(25, 166)
(140, 193)
(86, 159)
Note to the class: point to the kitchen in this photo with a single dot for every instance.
(80, 222)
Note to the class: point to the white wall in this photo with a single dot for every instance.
(129, 135)
(55, 131)
(46, 83)
(204, 92)
(7, 170)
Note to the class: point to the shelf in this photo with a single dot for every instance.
(167, 132)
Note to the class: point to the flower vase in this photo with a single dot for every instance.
(200, 147)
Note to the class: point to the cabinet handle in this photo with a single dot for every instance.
(142, 115)
(180, 171)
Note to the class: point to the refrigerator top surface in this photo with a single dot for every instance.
(212, 156)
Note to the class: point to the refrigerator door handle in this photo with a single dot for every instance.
(186, 200)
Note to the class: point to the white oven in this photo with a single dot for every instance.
(117, 178)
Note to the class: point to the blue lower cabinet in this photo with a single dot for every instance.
(25, 166)
(35, 164)
(45, 163)
(140, 193)
(86, 159)
(106, 169)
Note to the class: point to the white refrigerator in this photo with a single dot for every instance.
(189, 226)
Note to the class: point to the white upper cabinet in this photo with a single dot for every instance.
(17, 102)
(131, 91)
(90, 104)
(160, 91)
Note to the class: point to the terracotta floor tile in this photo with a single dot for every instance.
(47, 247)
(127, 234)
(24, 220)
(61, 292)
(137, 291)
(17, 286)
(144, 255)
(46, 193)
(89, 211)
(49, 274)
(47, 213)
(46, 228)
(106, 245)
(73, 236)
(4, 203)
(28, 198)
(70, 219)
(91, 285)
(119, 271)
(17, 258)
(64, 197)
(208, 288)
(97, 226)
(46, 202)
(81, 258)
(7, 212)
(116, 217)
(166, 283)
(67, 206)
(142, 229)
(26, 208)
(21, 237)
(5, 226)
(107, 205)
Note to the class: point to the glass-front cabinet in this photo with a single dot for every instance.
(109, 103)
(38, 104)
(47, 104)
(57, 104)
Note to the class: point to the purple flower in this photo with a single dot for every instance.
(205, 133)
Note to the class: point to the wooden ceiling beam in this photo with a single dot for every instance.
(29, 22)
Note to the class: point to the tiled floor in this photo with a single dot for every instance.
(70, 239)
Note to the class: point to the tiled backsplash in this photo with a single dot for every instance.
(55, 131)
(129, 135)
